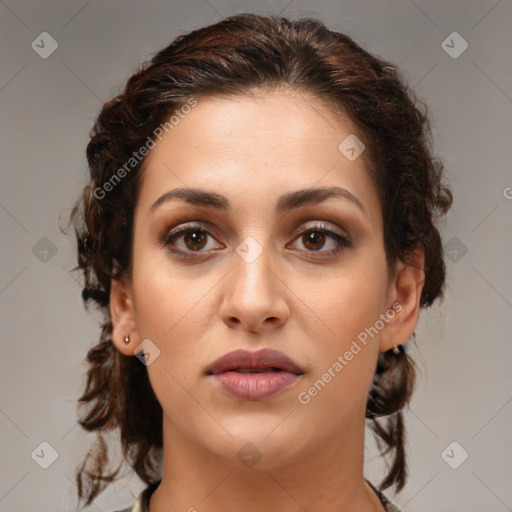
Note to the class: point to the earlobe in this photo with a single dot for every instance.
(122, 315)
(406, 291)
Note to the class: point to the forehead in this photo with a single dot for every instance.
(255, 147)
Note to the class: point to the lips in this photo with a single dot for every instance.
(262, 361)
(257, 375)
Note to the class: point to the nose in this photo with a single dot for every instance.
(255, 297)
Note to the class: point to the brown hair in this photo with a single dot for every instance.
(236, 56)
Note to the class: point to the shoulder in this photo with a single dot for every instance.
(387, 504)
(135, 507)
(142, 502)
(391, 508)
(383, 499)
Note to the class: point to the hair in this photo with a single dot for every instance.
(237, 56)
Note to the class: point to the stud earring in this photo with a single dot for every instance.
(397, 349)
(127, 338)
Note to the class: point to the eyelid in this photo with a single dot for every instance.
(340, 236)
(343, 240)
(321, 224)
(206, 226)
(198, 225)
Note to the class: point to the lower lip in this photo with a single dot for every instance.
(255, 386)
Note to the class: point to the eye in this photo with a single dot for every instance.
(190, 238)
(315, 237)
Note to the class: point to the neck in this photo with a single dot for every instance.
(327, 477)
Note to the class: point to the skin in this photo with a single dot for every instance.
(293, 298)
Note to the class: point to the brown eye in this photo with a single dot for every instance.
(323, 240)
(189, 241)
(313, 240)
(194, 239)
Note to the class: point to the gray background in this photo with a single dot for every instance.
(47, 107)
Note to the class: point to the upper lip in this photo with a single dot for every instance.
(262, 359)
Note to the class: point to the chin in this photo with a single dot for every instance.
(258, 446)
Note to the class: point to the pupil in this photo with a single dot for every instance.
(311, 237)
(195, 239)
(314, 240)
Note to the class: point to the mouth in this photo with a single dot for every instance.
(255, 370)
(262, 361)
(254, 375)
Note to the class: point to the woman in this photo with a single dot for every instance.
(258, 230)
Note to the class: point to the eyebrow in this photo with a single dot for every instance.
(285, 203)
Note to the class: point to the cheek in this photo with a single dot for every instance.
(165, 296)
(354, 300)
(168, 312)
(350, 306)
(343, 369)
(168, 320)
(174, 312)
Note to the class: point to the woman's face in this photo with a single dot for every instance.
(244, 277)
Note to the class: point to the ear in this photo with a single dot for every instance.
(122, 314)
(404, 296)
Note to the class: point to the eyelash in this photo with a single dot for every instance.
(343, 242)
